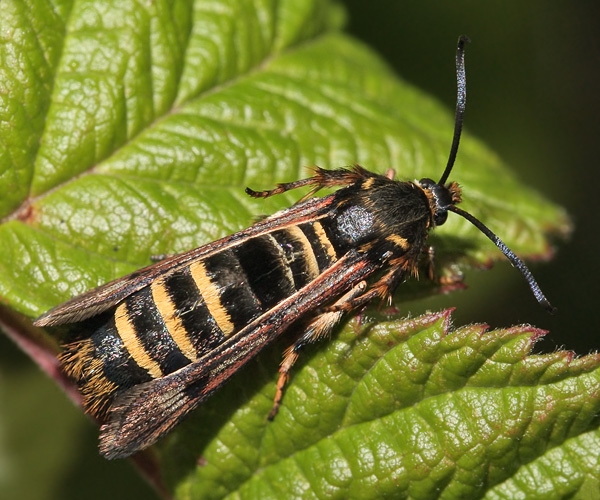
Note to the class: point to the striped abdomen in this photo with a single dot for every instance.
(184, 315)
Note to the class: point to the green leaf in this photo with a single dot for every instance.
(129, 129)
(399, 409)
(150, 119)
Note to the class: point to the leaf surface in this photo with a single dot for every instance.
(399, 409)
(130, 129)
(150, 119)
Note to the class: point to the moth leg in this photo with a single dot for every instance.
(430, 258)
(320, 327)
(383, 288)
(321, 178)
(455, 278)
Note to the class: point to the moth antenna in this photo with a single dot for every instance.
(515, 261)
(461, 101)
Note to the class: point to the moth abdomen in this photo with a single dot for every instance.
(187, 313)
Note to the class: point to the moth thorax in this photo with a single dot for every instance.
(440, 197)
(355, 224)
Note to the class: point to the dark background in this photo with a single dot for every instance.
(533, 81)
(533, 72)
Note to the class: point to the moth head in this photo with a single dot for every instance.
(441, 197)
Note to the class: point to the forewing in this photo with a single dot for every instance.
(109, 295)
(142, 414)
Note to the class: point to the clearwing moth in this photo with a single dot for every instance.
(155, 344)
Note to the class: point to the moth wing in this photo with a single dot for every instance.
(104, 297)
(100, 299)
(144, 413)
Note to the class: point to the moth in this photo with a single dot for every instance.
(158, 342)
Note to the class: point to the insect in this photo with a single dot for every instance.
(158, 342)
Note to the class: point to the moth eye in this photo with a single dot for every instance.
(440, 218)
(426, 183)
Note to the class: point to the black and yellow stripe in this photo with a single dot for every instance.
(185, 314)
(199, 325)
(168, 309)
(146, 336)
(298, 254)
